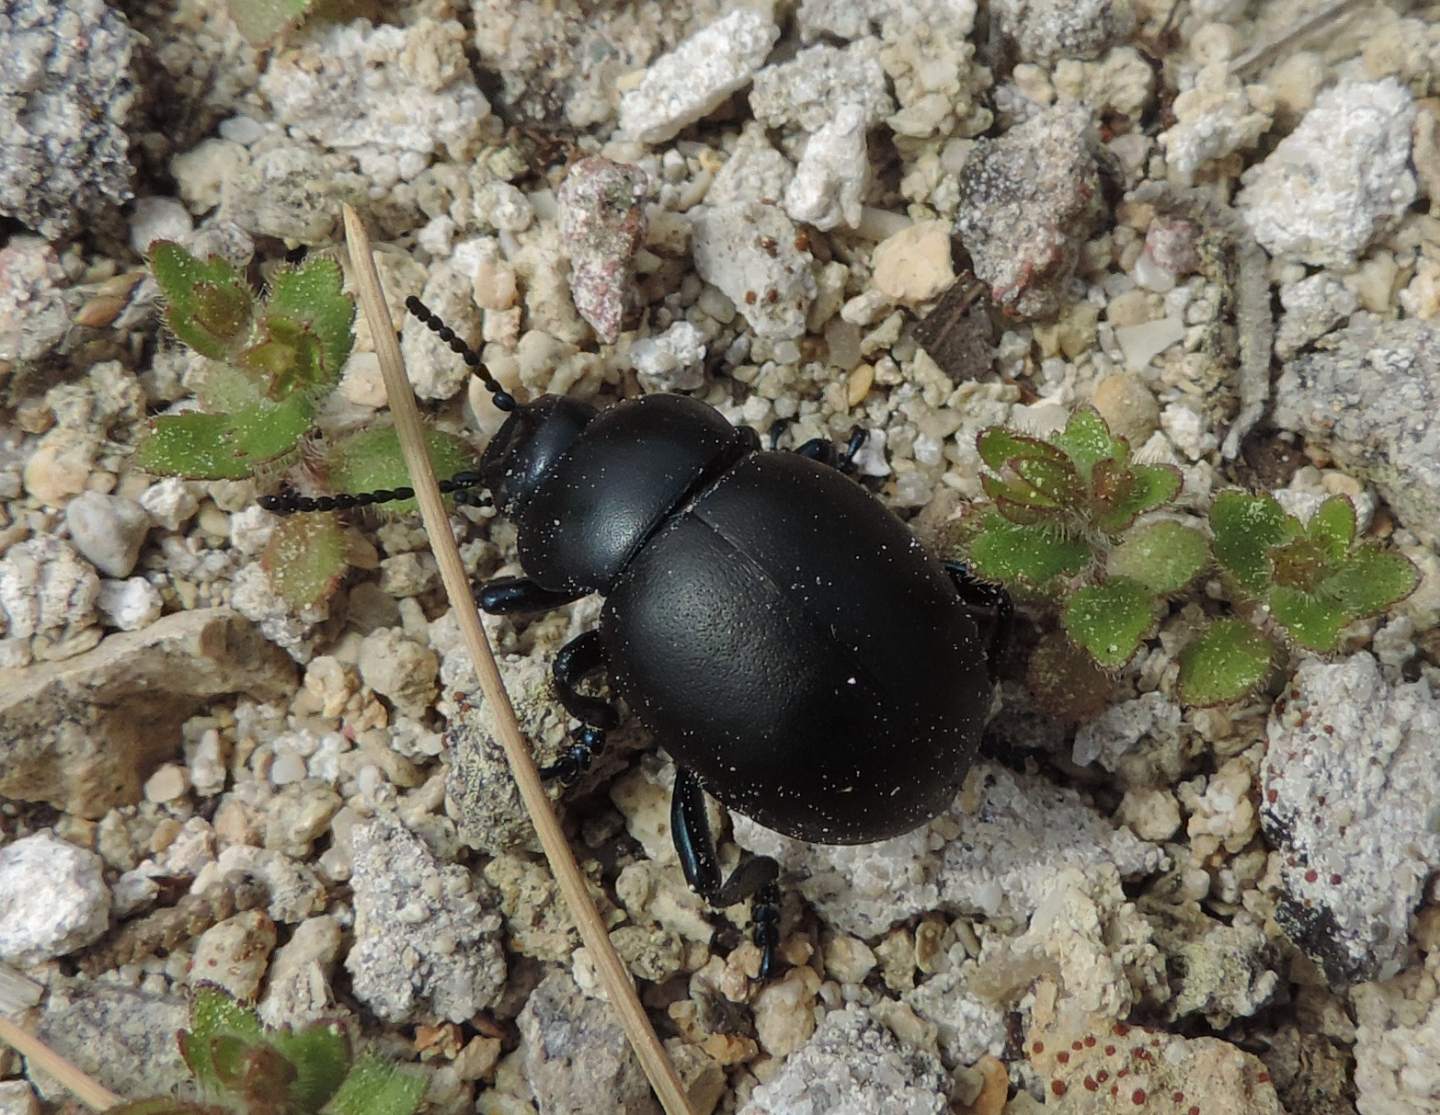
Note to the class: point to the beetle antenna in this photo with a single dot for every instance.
(463, 486)
(498, 395)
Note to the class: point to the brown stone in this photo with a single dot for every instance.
(83, 734)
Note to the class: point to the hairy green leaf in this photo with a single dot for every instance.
(1030, 555)
(1109, 620)
(1086, 440)
(1333, 526)
(305, 558)
(1311, 620)
(1057, 481)
(1145, 488)
(1164, 557)
(1017, 492)
(1369, 581)
(999, 445)
(208, 305)
(310, 301)
(1227, 661)
(214, 1016)
(376, 1087)
(321, 1056)
(1065, 681)
(223, 446)
(1246, 528)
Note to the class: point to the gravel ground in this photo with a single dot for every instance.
(1218, 232)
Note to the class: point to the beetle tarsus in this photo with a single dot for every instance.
(989, 606)
(766, 935)
(507, 596)
(572, 765)
(753, 878)
(824, 450)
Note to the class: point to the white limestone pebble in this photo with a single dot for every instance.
(169, 502)
(809, 90)
(55, 902)
(672, 361)
(693, 79)
(831, 178)
(129, 604)
(1338, 180)
(107, 530)
(44, 586)
(158, 218)
(750, 251)
(1353, 870)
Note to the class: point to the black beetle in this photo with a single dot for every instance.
(772, 623)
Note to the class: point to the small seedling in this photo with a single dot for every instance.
(270, 364)
(241, 1066)
(1062, 529)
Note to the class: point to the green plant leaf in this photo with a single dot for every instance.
(999, 445)
(1224, 663)
(1369, 580)
(371, 460)
(214, 1015)
(1311, 620)
(1246, 528)
(1333, 526)
(1065, 681)
(321, 1057)
(1057, 481)
(305, 558)
(1109, 620)
(208, 305)
(1087, 440)
(309, 301)
(223, 446)
(1144, 488)
(1164, 557)
(1030, 555)
(1017, 493)
(264, 21)
(376, 1087)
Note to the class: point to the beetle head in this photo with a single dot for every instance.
(535, 435)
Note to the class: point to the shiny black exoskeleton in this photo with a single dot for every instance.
(772, 624)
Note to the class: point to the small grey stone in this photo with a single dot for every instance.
(576, 1056)
(695, 78)
(122, 1037)
(808, 90)
(854, 1065)
(56, 900)
(65, 69)
(17, 1098)
(1028, 201)
(1371, 397)
(1048, 30)
(427, 935)
(749, 251)
(1352, 804)
(108, 531)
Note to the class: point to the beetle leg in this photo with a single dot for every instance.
(583, 655)
(989, 605)
(823, 450)
(505, 596)
(754, 877)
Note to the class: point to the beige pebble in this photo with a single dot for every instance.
(1128, 407)
(494, 285)
(858, 384)
(913, 265)
(168, 783)
(1130, 308)
(58, 468)
(234, 953)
